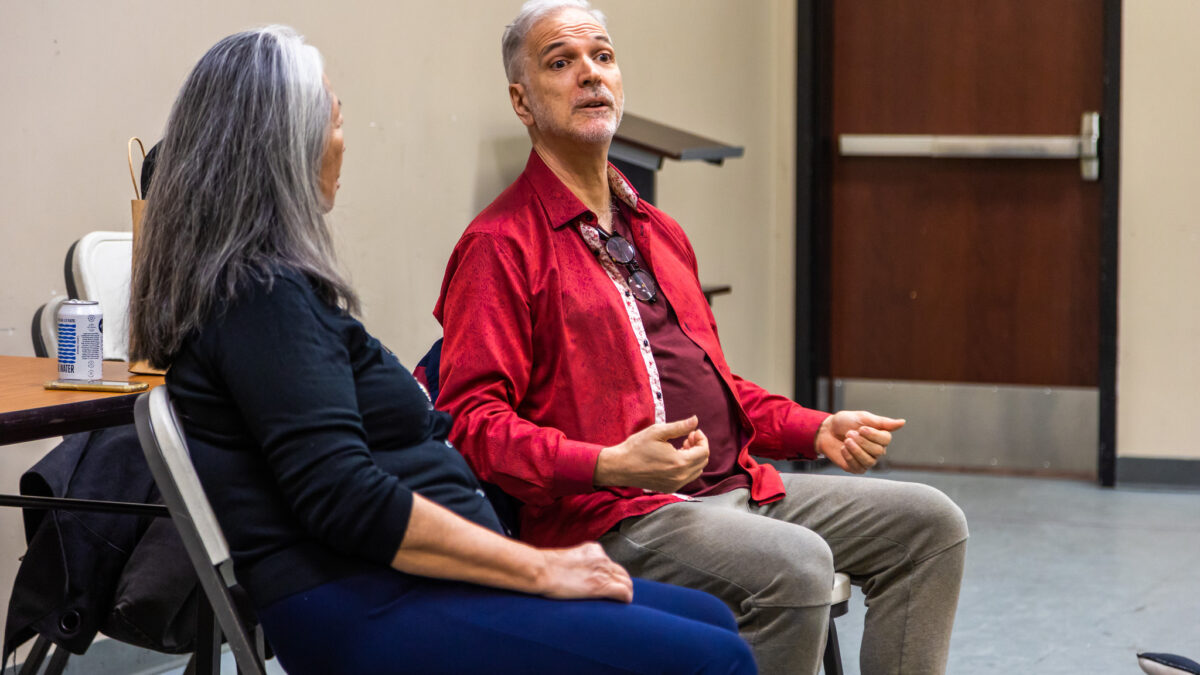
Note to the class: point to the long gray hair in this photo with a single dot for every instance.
(531, 12)
(235, 194)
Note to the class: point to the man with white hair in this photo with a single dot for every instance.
(583, 370)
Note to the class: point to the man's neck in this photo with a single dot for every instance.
(584, 170)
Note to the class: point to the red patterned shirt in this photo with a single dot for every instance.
(546, 361)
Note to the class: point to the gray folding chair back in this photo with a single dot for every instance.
(45, 327)
(166, 452)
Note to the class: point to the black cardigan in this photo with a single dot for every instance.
(310, 438)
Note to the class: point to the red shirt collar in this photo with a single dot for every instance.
(562, 206)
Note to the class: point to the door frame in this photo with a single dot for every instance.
(814, 147)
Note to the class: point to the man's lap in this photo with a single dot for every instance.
(788, 549)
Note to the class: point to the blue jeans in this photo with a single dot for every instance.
(389, 622)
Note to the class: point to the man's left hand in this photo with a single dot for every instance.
(854, 440)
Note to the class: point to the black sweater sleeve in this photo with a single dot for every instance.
(285, 362)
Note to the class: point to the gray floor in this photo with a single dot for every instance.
(1062, 577)
(1065, 577)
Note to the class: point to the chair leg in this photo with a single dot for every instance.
(260, 647)
(833, 654)
(41, 647)
(207, 660)
(260, 643)
(58, 662)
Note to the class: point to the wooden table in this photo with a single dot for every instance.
(29, 412)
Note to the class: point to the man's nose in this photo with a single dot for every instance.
(589, 73)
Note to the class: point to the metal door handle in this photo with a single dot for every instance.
(1084, 147)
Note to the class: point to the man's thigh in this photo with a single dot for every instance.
(719, 546)
(869, 523)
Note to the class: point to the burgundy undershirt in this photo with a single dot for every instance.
(692, 386)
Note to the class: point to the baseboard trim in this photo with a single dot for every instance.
(1177, 473)
(1015, 428)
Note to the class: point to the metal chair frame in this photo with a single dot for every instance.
(839, 605)
(166, 451)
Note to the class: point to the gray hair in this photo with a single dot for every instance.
(236, 195)
(531, 12)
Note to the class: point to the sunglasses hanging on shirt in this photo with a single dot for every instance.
(622, 252)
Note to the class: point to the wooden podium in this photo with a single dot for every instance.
(640, 145)
(638, 149)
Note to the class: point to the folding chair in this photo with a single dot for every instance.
(839, 604)
(167, 454)
(97, 267)
(45, 327)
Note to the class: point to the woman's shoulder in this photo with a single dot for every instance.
(281, 296)
(272, 286)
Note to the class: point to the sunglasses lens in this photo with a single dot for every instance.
(620, 249)
(643, 286)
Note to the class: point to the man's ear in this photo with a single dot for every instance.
(516, 94)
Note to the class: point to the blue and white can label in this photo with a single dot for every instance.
(80, 340)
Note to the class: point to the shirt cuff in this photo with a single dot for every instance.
(800, 432)
(575, 467)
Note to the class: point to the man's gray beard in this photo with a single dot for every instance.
(545, 122)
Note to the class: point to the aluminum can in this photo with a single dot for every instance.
(80, 340)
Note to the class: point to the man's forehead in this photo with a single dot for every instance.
(565, 24)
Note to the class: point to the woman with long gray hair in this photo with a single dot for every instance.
(361, 536)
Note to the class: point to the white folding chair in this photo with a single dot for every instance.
(167, 454)
(98, 268)
(839, 604)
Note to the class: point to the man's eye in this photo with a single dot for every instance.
(559, 64)
(604, 57)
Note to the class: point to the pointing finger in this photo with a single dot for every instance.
(880, 422)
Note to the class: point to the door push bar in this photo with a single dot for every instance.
(1084, 147)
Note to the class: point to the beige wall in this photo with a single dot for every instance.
(1159, 340)
(430, 136)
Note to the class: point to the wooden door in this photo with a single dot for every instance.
(963, 294)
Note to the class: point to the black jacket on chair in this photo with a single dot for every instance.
(84, 572)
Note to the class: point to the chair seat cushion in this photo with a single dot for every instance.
(1167, 664)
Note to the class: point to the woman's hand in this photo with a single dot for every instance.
(444, 545)
(583, 571)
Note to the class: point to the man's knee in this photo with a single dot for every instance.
(798, 569)
(938, 517)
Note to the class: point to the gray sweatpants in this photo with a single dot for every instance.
(773, 564)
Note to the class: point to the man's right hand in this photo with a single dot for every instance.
(648, 461)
